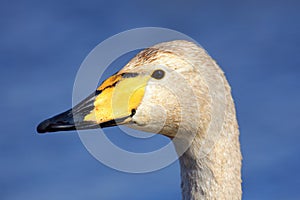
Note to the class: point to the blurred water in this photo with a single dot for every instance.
(42, 44)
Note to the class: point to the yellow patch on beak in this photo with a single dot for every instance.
(119, 98)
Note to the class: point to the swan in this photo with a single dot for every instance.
(175, 89)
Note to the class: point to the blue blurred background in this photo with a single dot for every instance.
(42, 44)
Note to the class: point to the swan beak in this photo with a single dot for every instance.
(114, 102)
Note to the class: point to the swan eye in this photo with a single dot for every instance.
(158, 74)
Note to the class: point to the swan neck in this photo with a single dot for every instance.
(214, 176)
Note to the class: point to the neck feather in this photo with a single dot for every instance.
(216, 175)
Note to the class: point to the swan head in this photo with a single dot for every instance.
(161, 90)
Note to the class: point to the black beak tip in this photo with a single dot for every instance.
(44, 126)
(61, 122)
(50, 126)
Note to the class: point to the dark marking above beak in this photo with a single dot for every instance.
(129, 75)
